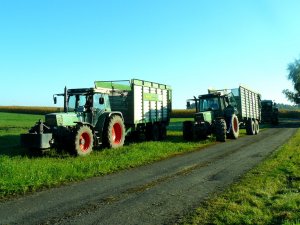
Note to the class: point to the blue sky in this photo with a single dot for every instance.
(191, 45)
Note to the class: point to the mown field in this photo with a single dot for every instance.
(176, 113)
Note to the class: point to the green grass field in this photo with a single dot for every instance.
(268, 194)
(21, 173)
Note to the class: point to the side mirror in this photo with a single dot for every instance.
(55, 100)
(101, 100)
(188, 105)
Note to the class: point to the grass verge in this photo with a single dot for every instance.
(268, 194)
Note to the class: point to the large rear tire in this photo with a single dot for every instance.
(220, 130)
(114, 132)
(83, 141)
(187, 130)
(234, 127)
(250, 127)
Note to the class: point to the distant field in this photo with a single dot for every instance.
(30, 109)
(176, 113)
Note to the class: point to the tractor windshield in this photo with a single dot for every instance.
(76, 102)
(207, 104)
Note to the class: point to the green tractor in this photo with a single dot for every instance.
(221, 113)
(269, 112)
(87, 113)
(103, 116)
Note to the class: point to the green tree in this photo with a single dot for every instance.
(294, 76)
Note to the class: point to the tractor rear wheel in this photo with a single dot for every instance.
(250, 127)
(187, 130)
(114, 132)
(220, 131)
(83, 141)
(234, 127)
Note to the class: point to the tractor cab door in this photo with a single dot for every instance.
(101, 105)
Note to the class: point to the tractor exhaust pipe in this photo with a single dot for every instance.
(66, 100)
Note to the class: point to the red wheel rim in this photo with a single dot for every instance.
(84, 141)
(235, 124)
(116, 133)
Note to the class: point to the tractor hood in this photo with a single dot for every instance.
(206, 116)
(61, 119)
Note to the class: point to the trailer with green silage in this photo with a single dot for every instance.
(222, 113)
(103, 116)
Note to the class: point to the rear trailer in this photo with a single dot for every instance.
(248, 107)
(146, 106)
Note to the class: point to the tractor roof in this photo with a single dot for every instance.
(212, 95)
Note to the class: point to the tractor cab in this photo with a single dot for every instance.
(213, 105)
(80, 105)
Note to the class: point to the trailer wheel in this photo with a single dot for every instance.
(83, 141)
(163, 131)
(187, 130)
(220, 130)
(234, 127)
(114, 132)
(256, 127)
(152, 132)
(274, 120)
(250, 127)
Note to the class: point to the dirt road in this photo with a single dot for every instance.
(159, 193)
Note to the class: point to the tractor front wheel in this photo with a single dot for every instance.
(220, 130)
(188, 130)
(114, 132)
(83, 141)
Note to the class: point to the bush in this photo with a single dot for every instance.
(283, 113)
(183, 113)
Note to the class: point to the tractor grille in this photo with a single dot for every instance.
(199, 117)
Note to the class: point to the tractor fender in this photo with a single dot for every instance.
(87, 124)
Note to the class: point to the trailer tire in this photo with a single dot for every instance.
(162, 131)
(234, 127)
(256, 127)
(250, 127)
(220, 131)
(114, 132)
(274, 121)
(187, 130)
(83, 141)
(152, 132)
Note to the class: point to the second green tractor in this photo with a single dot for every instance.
(222, 113)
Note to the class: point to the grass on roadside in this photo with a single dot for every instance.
(268, 194)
